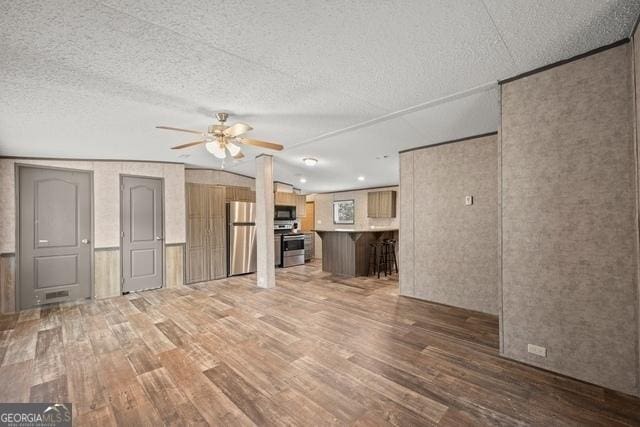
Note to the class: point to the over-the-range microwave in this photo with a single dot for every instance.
(285, 212)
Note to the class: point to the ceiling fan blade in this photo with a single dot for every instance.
(263, 144)
(179, 130)
(236, 130)
(188, 144)
(239, 156)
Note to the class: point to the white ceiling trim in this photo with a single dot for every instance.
(400, 114)
(478, 89)
(504, 43)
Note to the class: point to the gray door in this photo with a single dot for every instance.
(54, 234)
(142, 233)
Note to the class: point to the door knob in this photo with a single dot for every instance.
(158, 238)
(85, 241)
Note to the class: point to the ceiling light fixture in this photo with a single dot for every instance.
(219, 138)
(310, 161)
(303, 180)
(233, 149)
(361, 178)
(216, 149)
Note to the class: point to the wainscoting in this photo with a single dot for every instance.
(106, 273)
(174, 255)
(7, 283)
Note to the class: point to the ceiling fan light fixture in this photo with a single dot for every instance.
(310, 161)
(215, 149)
(218, 136)
(233, 149)
(361, 178)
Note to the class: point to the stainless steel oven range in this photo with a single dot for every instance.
(292, 249)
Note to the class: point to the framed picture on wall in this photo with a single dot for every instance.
(344, 212)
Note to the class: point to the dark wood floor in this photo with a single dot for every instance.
(315, 351)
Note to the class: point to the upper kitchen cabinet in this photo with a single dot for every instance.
(282, 198)
(381, 204)
(239, 194)
(301, 206)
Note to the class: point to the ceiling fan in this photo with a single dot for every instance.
(220, 138)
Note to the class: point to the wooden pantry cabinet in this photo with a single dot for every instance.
(206, 234)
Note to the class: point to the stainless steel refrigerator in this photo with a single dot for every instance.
(241, 238)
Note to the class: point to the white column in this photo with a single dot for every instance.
(264, 221)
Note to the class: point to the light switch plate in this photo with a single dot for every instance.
(537, 350)
(468, 200)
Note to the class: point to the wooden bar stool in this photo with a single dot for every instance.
(377, 258)
(390, 253)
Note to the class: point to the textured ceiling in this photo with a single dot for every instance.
(345, 82)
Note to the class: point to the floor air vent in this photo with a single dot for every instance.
(58, 294)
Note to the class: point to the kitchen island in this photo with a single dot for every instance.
(346, 251)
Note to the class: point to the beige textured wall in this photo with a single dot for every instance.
(406, 258)
(569, 229)
(324, 212)
(209, 176)
(453, 249)
(106, 182)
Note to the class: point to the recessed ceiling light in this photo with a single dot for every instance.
(303, 180)
(310, 161)
(361, 178)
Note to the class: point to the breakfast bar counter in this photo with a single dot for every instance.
(346, 251)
